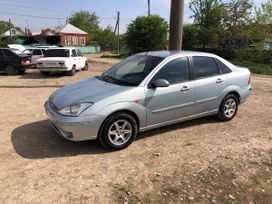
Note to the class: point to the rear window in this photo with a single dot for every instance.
(57, 53)
(8, 53)
(224, 69)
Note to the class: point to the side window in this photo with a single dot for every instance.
(74, 54)
(37, 52)
(223, 68)
(78, 53)
(204, 67)
(8, 53)
(175, 71)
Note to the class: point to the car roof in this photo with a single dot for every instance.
(170, 53)
(62, 48)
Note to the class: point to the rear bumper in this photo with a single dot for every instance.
(245, 93)
(53, 69)
(74, 128)
(24, 66)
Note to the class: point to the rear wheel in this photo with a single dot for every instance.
(119, 131)
(72, 72)
(228, 108)
(86, 67)
(10, 70)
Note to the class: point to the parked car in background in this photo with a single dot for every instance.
(147, 91)
(62, 60)
(37, 53)
(12, 63)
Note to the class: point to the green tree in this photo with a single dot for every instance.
(207, 16)
(4, 26)
(85, 20)
(105, 37)
(146, 33)
(237, 19)
(189, 38)
(264, 13)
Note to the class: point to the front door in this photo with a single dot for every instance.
(164, 104)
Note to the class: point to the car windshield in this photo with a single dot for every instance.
(131, 71)
(57, 53)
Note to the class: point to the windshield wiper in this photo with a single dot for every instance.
(116, 81)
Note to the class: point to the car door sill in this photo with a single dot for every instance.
(170, 122)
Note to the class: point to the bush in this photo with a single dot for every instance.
(254, 55)
(146, 33)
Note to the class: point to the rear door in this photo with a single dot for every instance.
(36, 54)
(208, 83)
(1, 60)
(80, 59)
(75, 59)
(174, 102)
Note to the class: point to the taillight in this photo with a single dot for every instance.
(249, 79)
(25, 62)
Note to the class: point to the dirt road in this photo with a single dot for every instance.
(202, 161)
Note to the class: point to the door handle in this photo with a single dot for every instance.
(185, 88)
(219, 81)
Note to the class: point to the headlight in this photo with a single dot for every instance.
(75, 109)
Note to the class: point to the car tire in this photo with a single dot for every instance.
(10, 70)
(86, 67)
(228, 108)
(72, 72)
(118, 131)
(21, 71)
(45, 73)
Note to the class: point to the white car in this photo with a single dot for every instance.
(62, 60)
(37, 53)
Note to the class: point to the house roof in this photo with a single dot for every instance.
(70, 29)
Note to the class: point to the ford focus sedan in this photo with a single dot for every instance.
(147, 91)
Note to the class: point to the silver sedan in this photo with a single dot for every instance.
(147, 91)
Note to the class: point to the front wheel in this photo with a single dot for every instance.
(118, 131)
(228, 108)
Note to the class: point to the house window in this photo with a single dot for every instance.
(75, 40)
(68, 40)
(82, 40)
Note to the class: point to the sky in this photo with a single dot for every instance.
(39, 14)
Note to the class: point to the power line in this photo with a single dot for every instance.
(34, 16)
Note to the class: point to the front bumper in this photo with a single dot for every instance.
(79, 128)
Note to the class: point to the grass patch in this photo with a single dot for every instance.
(257, 68)
(116, 56)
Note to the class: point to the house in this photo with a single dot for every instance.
(66, 35)
(12, 32)
(71, 35)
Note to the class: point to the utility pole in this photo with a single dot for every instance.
(176, 24)
(149, 12)
(10, 36)
(118, 31)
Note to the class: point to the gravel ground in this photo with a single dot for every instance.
(201, 161)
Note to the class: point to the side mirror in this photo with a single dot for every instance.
(160, 83)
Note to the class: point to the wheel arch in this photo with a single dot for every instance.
(236, 94)
(133, 114)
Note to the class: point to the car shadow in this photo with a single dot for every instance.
(35, 74)
(38, 140)
(181, 125)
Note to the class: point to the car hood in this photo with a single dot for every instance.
(88, 90)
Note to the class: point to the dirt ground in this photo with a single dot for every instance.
(201, 161)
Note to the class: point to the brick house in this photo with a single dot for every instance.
(72, 36)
